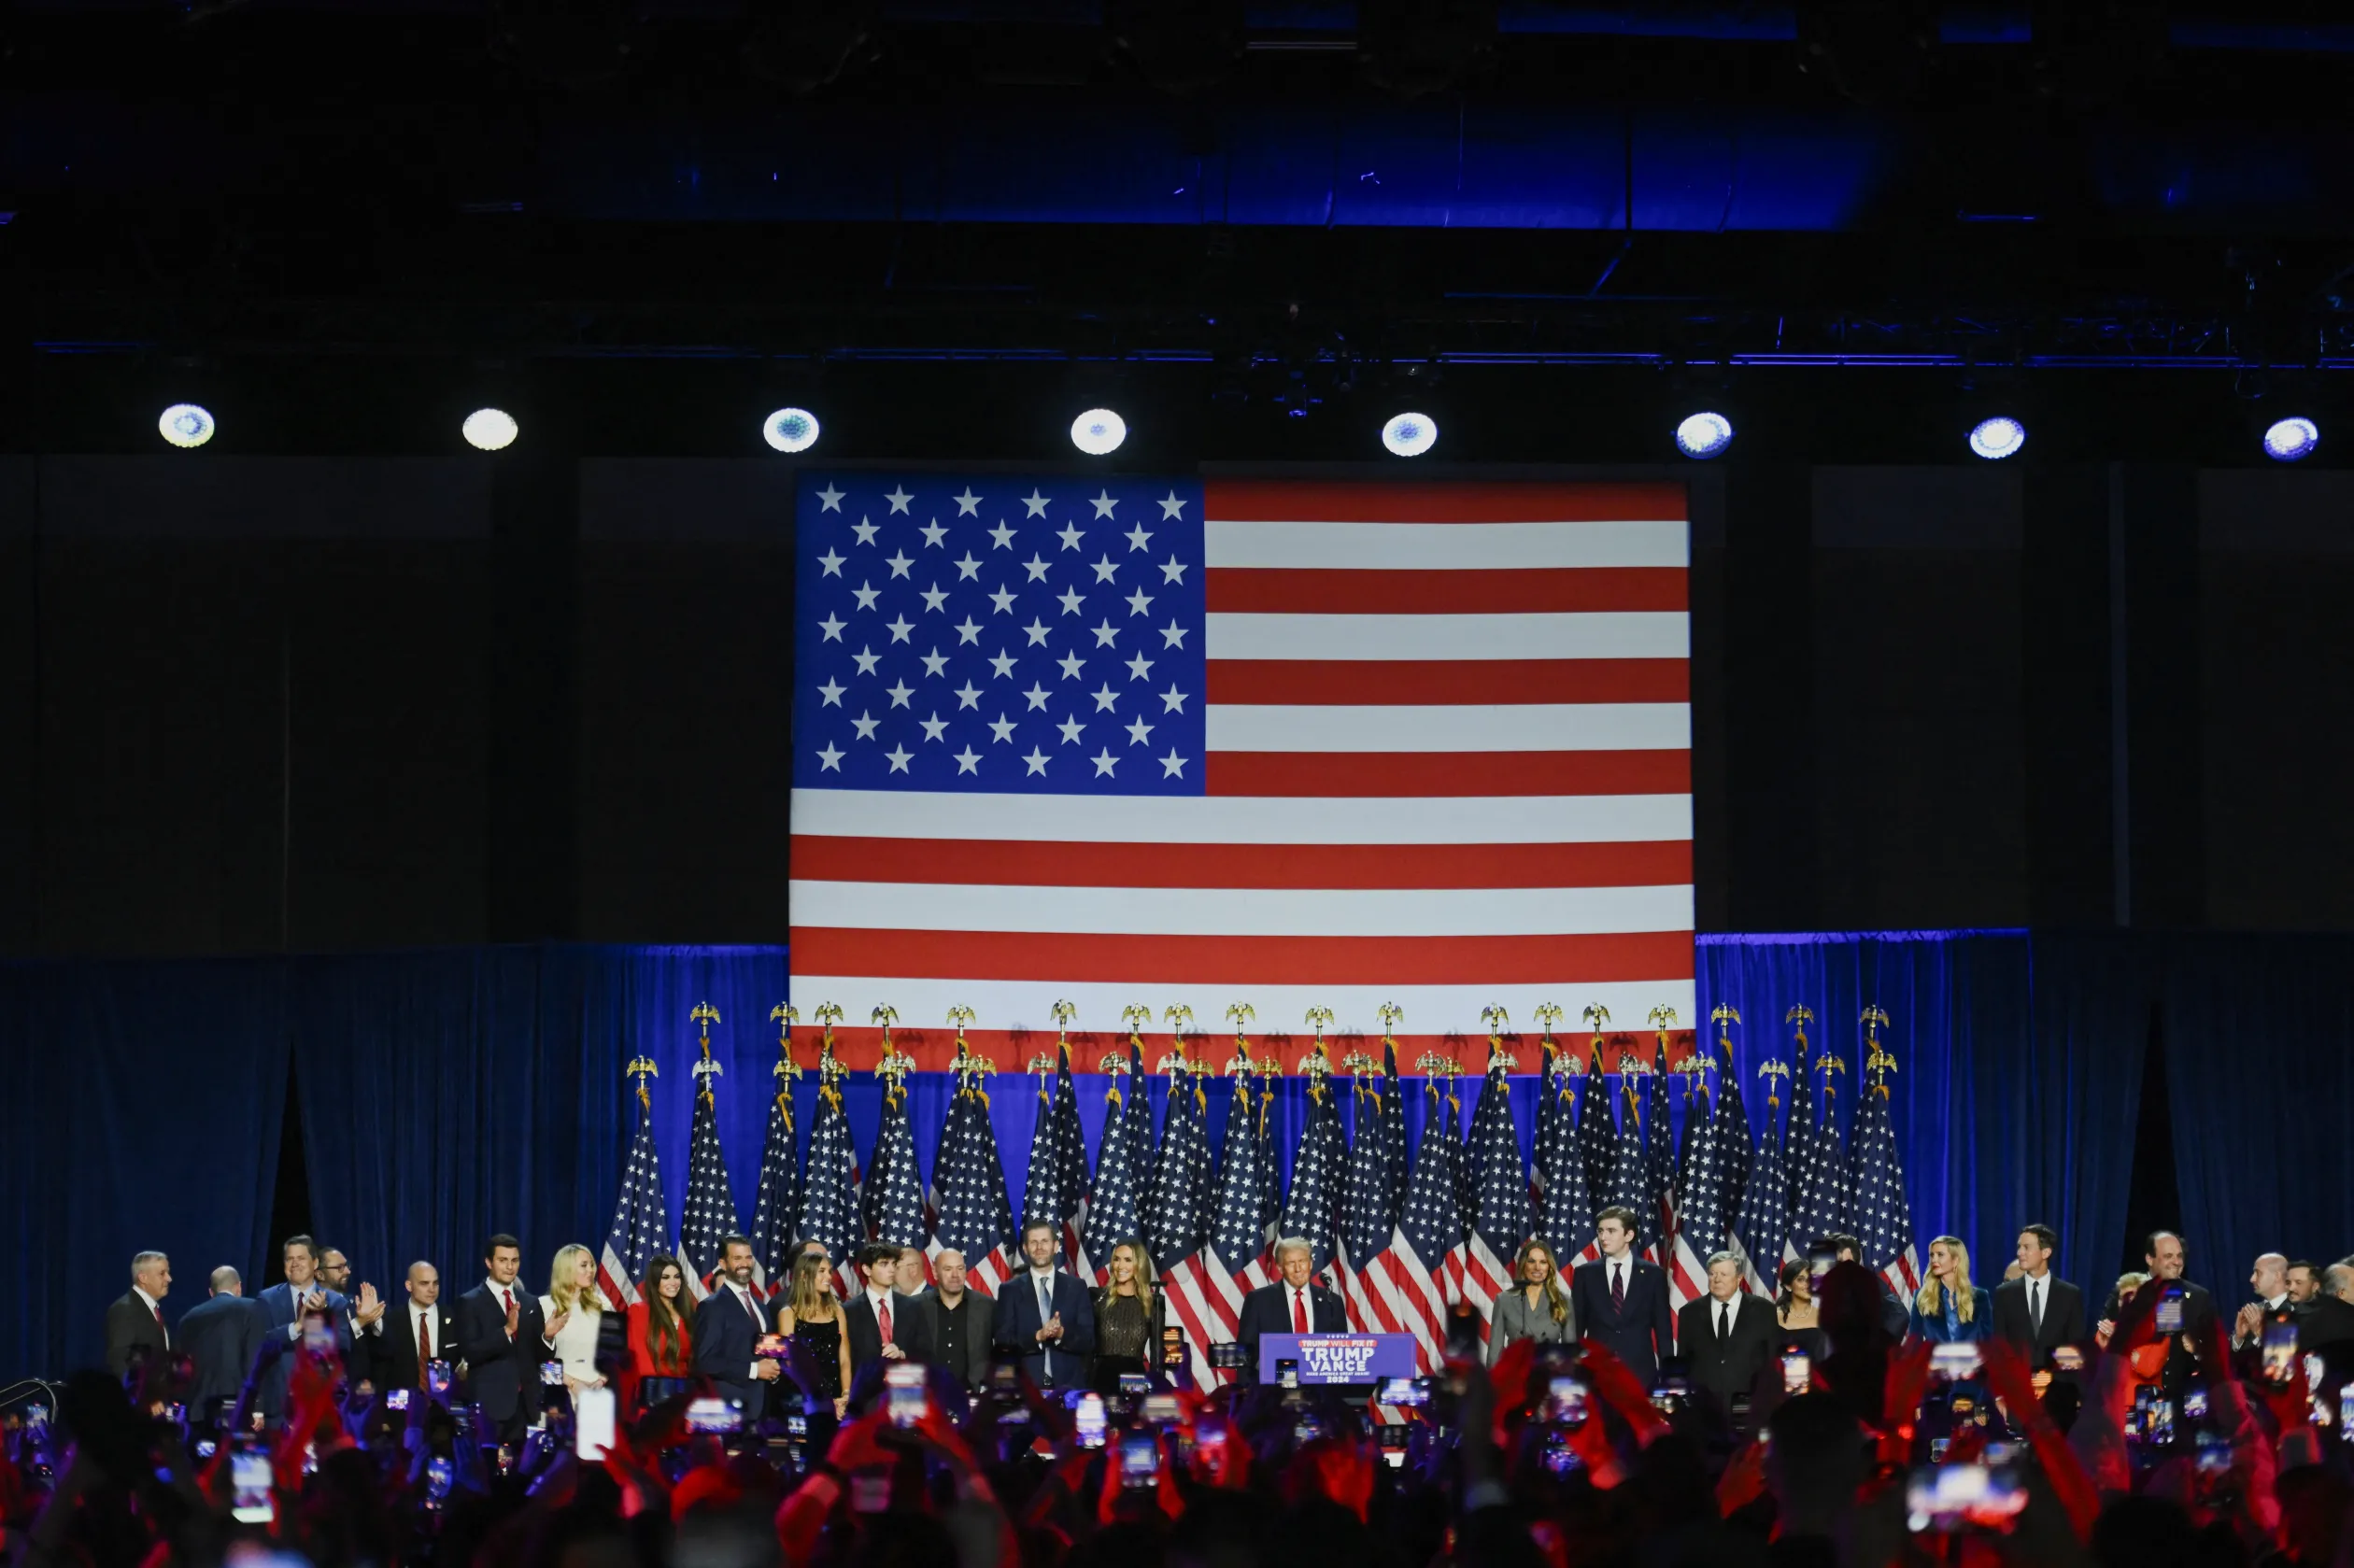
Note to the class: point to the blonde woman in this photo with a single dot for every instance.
(812, 1315)
(1949, 1308)
(1536, 1307)
(575, 1311)
(1128, 1315)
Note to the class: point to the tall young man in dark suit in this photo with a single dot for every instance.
(1294, 1304)
(135, 1324)
(883, 1322)
(219, 1336)
(727, 1333)
(1045, 1316)
(502, 1338)
(2038, 1312)
(283, 1307)
(1622, 1301)
(1727, 1335)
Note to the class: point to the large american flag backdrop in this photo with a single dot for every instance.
(1166, 742)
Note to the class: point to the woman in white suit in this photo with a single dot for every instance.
(575, 1311)
(1536, 1307)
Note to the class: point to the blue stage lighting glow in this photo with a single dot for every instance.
(1410, 435)
(2291, 439)
(1997, 438)
(790, 430)
(1704, 434)
(1099, 432)
(186, 424)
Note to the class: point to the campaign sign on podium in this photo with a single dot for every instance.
(1338, 1358)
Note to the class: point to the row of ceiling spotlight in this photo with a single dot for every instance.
(1100, 431)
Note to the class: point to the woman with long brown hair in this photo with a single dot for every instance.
(812, 1315)
(1536, 1306)
(660, 1334)
(1129, 1314)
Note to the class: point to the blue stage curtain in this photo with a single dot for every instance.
(2259, 1043)
(140, 1109)
(2019, 1070)
(448, 1097)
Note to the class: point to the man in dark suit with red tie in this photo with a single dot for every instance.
(1621, 1301)
(134, 1324)
(728, 1330)
(1294, 1304)
(422, 1330)
(502, 1338)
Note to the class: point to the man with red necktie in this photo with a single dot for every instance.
(502, 1338)
(1295, 1303)
(134, 1324)
(728, 1325)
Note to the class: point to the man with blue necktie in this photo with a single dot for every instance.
(1044, 1316)
(283, 1307)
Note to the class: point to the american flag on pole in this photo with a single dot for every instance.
(779, 1203)
(1419, 1270)
(1823, 1210)
(710, 1211)
(1630, 1183)
(1567, 1222)
(976, 1216)
(1732, 1128)
(1798, 1140)
(1319, 1170)
(1041, 1192)
(1111, 1215)
(1176, 1222)
(896, 1181)
(1073, 1187)
(1883, 1218)
(830, 1195)
(1597, 1137)
(1701, 1223)
(1322, 744)
(1207, 1286)
(1659, 1158)
(1762, 1233)
(1500, 1221)
(1368, 1209)
(641, 1220)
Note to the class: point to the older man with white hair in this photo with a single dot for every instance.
(1294, 1304)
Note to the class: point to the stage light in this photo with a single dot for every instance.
(2289, 440)
(790, 430)
(1410, 435)
(490, 430)
(1099, 432)
(186, 424)
(1704, 435)
(1997, 438)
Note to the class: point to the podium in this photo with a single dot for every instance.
(1338, 1358)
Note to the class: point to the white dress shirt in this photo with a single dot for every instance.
(743, 1300)
(155, 1307)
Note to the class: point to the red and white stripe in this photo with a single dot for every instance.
(1904, 1276)
(613, 1278)
(1449, 766)
(1418, 1296)
(1480, 1277)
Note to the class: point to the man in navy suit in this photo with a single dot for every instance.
(1044, 1316)
(283, 1307)
(1622, 1301)
(502, 1338)
(1295, 1303)
(727, 1329)
(219, 1336)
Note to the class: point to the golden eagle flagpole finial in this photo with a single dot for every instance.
(704, 1014)
(642, 1068)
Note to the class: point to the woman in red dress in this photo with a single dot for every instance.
(661, 1332)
